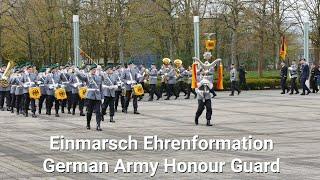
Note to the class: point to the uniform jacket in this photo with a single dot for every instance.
(52, 79)
(109, 85)
(75, 82)
(171, 76)
(305, 71)
(65, 78)
(129, 77)
(94, 84)
(29, 78)
(153, 76)
(233, 74)
(284, 72)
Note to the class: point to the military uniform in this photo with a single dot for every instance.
(130, 77)
(19, 94)
(109, 90)
(118, 93)
(293, 70)
(181, 85)
(4, 95)
(171, 81)
(283, 75)
(153, 81)
(76, 83)
(52, 81)
(29, 80)
(93, 98)
(65, 78)
(186, 76)
(204, 101)
(305, 73)
(43, 89)
(234, 83)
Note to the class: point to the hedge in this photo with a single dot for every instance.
(252, 84)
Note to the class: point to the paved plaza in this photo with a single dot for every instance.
(292, 122)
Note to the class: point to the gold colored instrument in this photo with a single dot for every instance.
(34, 93)
(5, 76)
(210, 44)
(166, 61)
(83, 92)
(138, 90)
(178, 63)
(60, 94)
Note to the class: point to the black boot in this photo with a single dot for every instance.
(34, 115)
(26, 113)
(111, 119)
(73, 112)
(12, 110)
(196, 120)
(88, 121)
(69, 111)
(98, 128)
(208, 123)
(81, 113)
(62, 110)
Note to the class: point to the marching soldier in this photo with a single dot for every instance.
(65, 76)
(233, 79)
(180, 86)
(293, 71)
(120, 91)
(305, 73)
(13, 89)
(313, 79)
(4, 92)
(283, 75)
(76, 83)
(43, 88)
(153, 80)
(19, 92)
(130, 78)
(94, 96)
(109, 87)
(203, 91)
(171, 81)
(52, 81)
(186, 75)
(29, 79)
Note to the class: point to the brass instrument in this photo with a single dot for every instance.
(178, 64)
(166, 61)
(5, 76)
(35, 93)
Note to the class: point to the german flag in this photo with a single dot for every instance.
(194, 76)
(283, 49)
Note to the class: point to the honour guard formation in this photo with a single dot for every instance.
(26, 90)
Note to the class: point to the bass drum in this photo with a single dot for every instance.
(83, 92)
(34, 93)
(60, 94)
(138, 90)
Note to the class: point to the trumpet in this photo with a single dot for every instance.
(4, 79)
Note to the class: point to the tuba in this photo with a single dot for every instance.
(4, 79)
(178, 64)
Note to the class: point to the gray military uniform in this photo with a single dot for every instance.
(109, 85)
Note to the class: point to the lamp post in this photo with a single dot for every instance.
(196, 23)
(76, 40)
